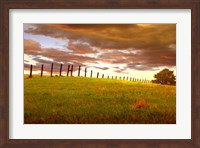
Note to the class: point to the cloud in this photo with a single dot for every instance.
(102, 68)
(81, 48)
(105, 36)
(31, 46)
(139, 46)
(34, 52)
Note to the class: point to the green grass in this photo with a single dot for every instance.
(79, 100)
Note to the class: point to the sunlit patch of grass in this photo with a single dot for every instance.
(141, 104)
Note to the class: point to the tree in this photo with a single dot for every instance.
(165, 76)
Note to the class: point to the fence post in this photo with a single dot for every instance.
(85, 71)
(115, 77)
(112, 77)
(102, 75)
(72, 70)
(130, 79)
(124, 78)
(31, 68)
(97, 74)
(42, 70)
(51, 69)
(69, 70)
(127, 78)
(91, 74)
(60, 69)
(79, 68)
(108, 77)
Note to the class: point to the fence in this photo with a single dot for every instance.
(70, 69)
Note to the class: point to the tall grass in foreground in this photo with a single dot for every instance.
(80, 100)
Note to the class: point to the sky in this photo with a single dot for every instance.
(133, 50)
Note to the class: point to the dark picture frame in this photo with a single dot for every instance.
(6, 5)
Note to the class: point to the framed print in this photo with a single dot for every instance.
(109, 65)
(102, 74)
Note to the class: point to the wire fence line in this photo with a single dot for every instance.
(85, 73)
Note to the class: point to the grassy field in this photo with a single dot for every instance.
(79, 100)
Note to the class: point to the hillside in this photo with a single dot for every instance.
(80, 100)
